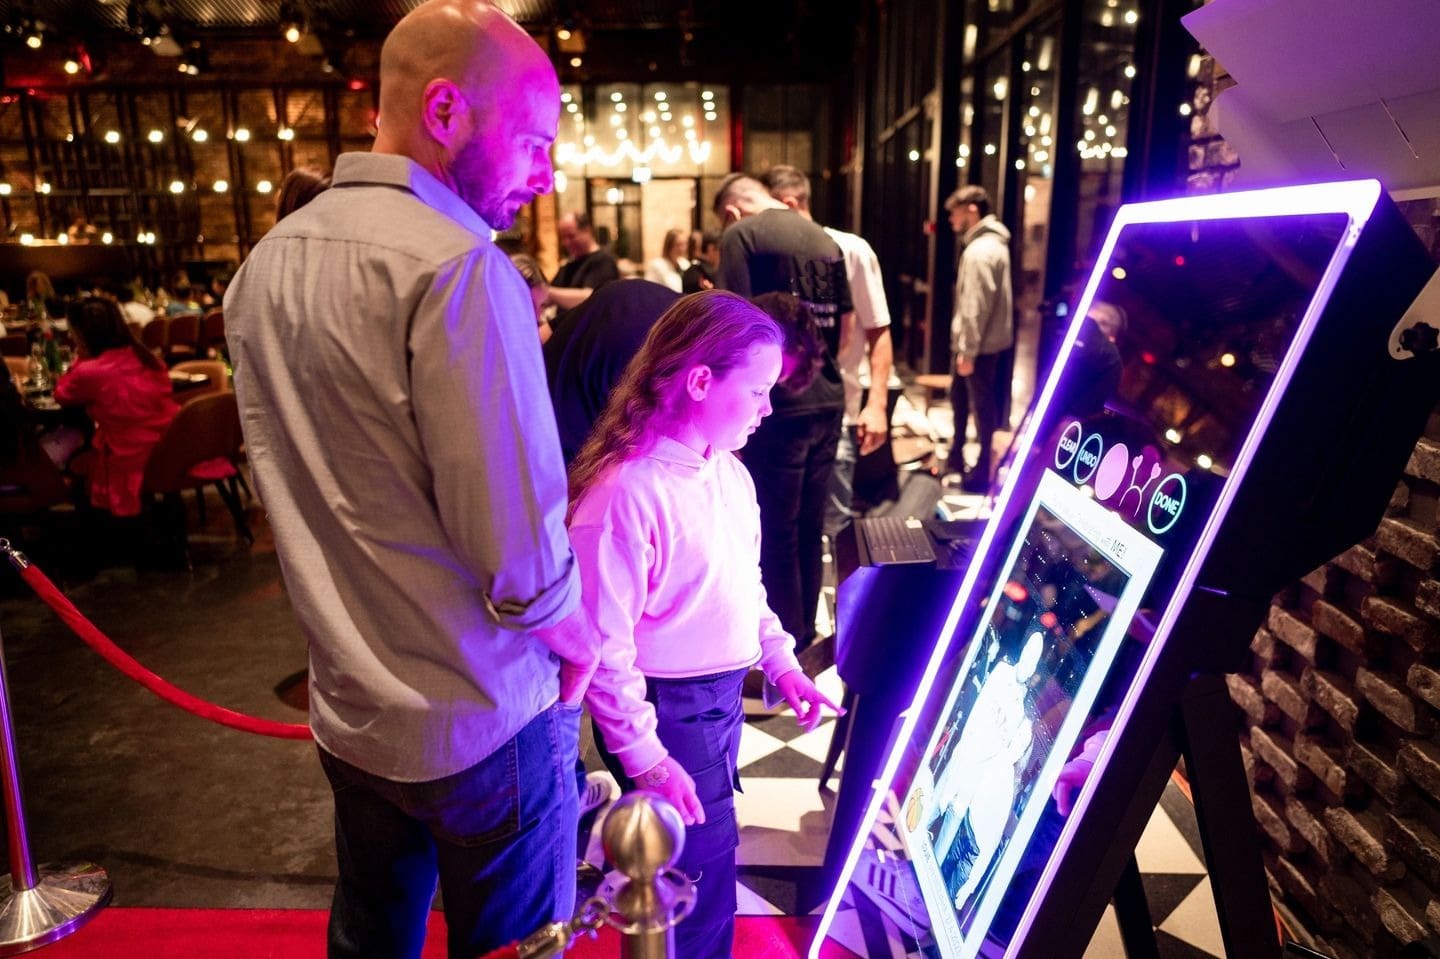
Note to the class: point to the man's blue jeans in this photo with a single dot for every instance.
(499, 836)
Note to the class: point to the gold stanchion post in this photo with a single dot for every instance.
(643, 835)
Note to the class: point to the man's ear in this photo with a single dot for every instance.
(789, 201)
(698, 380)
(732, 214)
(444, 110)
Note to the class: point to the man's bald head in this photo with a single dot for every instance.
(467, 94)
(469, 42)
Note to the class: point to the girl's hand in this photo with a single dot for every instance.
(804, 698)
(671, 782)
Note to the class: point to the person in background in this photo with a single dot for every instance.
(666, 530)
(40, 298)
(539, 289)
(182, 295)
(667, 268)
(215, 294)
(700, 274)
(589, 265)
(126, 391)
(80, 230)
(300, 186)
(769, 248)
(389, 378)
(866, 425)
(981, 329)
(133, 309)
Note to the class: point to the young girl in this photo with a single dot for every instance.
(666, 529)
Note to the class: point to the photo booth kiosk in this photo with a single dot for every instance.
(1270, 375)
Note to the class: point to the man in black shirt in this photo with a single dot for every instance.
(589, 267)
(768, 247)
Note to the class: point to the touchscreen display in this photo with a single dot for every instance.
(1058, 617)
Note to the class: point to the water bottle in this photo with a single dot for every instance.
(39, 375)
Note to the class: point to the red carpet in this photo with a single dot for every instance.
(300, 934)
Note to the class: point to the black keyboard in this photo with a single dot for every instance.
(891, 540)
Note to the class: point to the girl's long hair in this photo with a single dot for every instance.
(713, 328)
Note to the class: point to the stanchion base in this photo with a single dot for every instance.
(67, 896)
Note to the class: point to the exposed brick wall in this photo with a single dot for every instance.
(1340, 708)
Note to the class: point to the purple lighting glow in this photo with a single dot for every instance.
(1356, 200)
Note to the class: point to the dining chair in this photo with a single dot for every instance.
(19, 367)
(31, 483)
(200, 448)
(14, 344)
(212, 333)
(152, 337)
(182, 339)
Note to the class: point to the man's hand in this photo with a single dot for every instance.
(804, 698)
(576, 644)
(871, 429)
(670, 781)
(964, 367)
(574, 680)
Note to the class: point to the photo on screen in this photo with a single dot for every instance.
(1016, 713)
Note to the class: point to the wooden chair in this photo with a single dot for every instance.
(14, 344)
(212, 333)
(201, 447)
(19, 367)
(215, 369)
(153, 336)
(32, 484)
(182, 338)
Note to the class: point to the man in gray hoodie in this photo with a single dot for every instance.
(981, 330)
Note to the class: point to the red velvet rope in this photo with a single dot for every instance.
(172, 694)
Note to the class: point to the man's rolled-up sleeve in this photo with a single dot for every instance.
(482, 411)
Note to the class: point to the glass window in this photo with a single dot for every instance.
(992, 97)
(1107, 70)
(1034, 164)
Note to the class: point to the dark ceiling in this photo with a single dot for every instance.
(723, 40)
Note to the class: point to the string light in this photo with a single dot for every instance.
(568, 154)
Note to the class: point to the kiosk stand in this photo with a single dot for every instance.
(1246, 423)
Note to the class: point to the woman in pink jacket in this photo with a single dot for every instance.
(126, 391)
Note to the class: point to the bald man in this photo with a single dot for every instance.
(396, 417)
